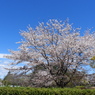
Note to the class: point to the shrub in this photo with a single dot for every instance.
(45, 91)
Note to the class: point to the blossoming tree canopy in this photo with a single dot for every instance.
(55, 43)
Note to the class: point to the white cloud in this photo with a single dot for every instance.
(3, 64)
(3, 72)
(2, 55)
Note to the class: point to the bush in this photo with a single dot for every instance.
(80, 87)
(45, 91)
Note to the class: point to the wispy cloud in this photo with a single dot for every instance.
(3, 72)
(3, 55)
(3, 64)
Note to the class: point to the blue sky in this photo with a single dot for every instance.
(16, 15)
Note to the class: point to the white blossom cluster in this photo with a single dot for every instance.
(54, 42)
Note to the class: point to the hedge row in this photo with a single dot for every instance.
(45, 91)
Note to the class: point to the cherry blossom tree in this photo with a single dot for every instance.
(59, 47)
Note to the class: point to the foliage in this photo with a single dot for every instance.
(45, 91)
(57, 46)
(14, 80)
(80, 87)
(93, 58)
(92, 63)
